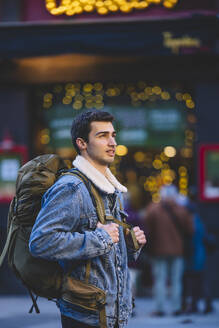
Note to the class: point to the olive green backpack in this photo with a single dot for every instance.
(42, 277)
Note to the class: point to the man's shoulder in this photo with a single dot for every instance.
(65, 185)
(69, 178)
(65, 181)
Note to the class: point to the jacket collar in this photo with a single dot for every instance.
(107, 183)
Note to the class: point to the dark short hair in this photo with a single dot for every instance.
(81, 125)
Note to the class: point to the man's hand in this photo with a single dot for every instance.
(140, 236)
(112, 229)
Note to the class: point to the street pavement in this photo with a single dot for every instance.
(14, 314)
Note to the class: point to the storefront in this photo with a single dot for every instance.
(152, 68)
(155, 128)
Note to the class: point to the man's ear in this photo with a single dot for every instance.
(82, 145)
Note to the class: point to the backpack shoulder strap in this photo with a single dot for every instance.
(120, 204)
(5, 249)
(98, 201)
(99, 205)
(11, 229)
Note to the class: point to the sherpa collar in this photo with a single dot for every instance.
(106, 183)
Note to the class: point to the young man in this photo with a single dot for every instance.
(67, 229)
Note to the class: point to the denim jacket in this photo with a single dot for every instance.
(66, 231)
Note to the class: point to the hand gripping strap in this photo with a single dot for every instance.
(100, 208)
(104, 218)
(135, 242)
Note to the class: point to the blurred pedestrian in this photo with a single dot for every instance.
(166, 245)
(196, 284)
(135, 219)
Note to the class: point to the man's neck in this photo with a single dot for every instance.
(101, 168)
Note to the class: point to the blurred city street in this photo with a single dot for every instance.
(14, 314)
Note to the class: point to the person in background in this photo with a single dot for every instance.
(196, 283)
(166, 247)
(134, 218)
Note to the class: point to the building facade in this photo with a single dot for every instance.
(152, 64)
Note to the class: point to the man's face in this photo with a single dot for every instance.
(101, 145)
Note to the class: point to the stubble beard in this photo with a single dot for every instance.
(105, 161)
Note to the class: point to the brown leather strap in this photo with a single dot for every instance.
(135, 242)
(120, 204)
(125, 225)
(99, 205)
(87, 272)
(11, 231)
(103, 321)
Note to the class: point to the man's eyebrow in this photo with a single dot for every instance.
(104, 132)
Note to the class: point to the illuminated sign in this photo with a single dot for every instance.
(208, 173)
(10, 162)
(12, 156)
(184, 41)
(75, 7)
(9, 166)
(54, 10)
(153, 127)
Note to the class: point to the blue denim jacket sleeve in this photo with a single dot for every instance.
(54, 235)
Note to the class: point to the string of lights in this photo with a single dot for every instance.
(76, 7)
(91, 95)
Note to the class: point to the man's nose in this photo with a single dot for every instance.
(112, 141)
